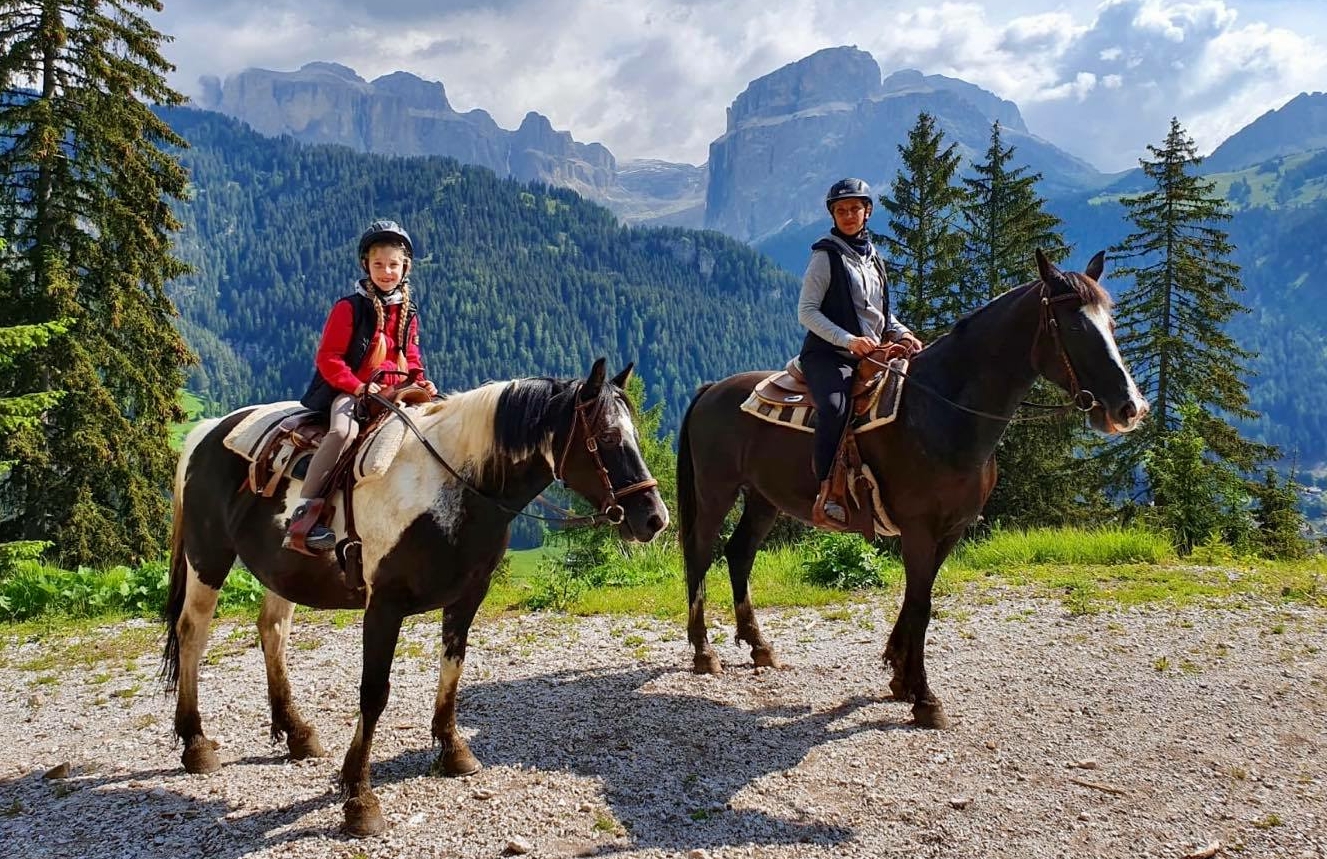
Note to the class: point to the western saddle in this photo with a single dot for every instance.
(850, 485)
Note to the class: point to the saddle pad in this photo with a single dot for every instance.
(379, 449)
(802, 416)
(375, 455)
(249, 436)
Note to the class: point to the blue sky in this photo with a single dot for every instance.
(653, 78)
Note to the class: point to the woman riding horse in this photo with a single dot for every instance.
(845, 308)
(935, 461)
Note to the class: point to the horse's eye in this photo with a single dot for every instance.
(610, 437)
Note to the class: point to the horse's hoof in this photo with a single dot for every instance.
(764, 657)
(707, 663)
(200, 757)
(454, 763)
(930, 716)
(363, 817)
(305, 745)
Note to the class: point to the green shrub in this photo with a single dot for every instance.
(846, 562)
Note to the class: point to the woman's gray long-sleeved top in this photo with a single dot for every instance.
(868, 297)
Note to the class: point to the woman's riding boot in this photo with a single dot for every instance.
(828, 512)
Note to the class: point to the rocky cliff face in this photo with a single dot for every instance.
(401, 114)
(793, 132)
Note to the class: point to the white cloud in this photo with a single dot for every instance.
(653, 78)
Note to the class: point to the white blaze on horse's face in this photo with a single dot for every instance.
(1136, 407)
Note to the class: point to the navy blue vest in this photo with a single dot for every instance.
(320, 393)
(837, 305)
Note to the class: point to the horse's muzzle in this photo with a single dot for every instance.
(645, 517)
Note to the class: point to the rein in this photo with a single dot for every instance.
(1083, 399)
(611, 512)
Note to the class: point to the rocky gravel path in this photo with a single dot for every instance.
(1152, 732)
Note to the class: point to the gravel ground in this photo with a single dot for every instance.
(1153, 732)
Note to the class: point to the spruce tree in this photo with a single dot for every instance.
(1172, 320)
(924, 245)
(87, 218)
(1004, 222)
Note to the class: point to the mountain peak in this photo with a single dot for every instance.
(844, 75)
(994, 108)
(334, 69)
(414, 91)
(1300, 125)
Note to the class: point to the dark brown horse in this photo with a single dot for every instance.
(935, 462)
(428, 543)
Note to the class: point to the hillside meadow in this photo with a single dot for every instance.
(1086, 570)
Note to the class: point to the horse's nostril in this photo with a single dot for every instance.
(655, 523)
(1128, 411)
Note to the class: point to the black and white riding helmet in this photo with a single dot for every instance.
(848, 189)
(385, 231)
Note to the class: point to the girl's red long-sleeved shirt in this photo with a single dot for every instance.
(335, 342)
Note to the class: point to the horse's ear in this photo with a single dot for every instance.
(621, 379)
(595, 383)
(1096, 266)
(1046, 269)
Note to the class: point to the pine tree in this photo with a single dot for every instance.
(87, 217)
(1004, 222)
(1280, 522)
(1172, 320)
(924, 246)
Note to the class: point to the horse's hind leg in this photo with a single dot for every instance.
(758, 517)
(195, 618)
(698, 542)
(274, 620)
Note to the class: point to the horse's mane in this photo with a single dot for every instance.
(1091, 293)
(503, 420)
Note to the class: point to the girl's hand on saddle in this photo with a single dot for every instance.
(862, 346)
(367, 388)
(912, 342)
(430, 388)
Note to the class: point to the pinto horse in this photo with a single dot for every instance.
(428, 542)
(935, 461)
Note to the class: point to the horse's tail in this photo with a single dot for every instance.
(179, 566)
(686, 476)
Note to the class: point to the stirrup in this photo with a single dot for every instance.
(305, 534)
(821, 518)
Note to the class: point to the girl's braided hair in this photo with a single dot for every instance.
(381, 309)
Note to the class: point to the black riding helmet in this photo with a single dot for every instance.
(384, 231)
(848, 189)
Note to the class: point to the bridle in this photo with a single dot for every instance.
(1083, 400)
(611, 510)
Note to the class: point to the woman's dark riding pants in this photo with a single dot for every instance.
(829, 375)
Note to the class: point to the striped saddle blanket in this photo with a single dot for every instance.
(782, 398)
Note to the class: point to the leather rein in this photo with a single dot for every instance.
(610, 511)
(1083, 400)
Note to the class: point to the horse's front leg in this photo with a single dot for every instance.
(274, 621)
(382, 627)
(906, 650)
(454, 757)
